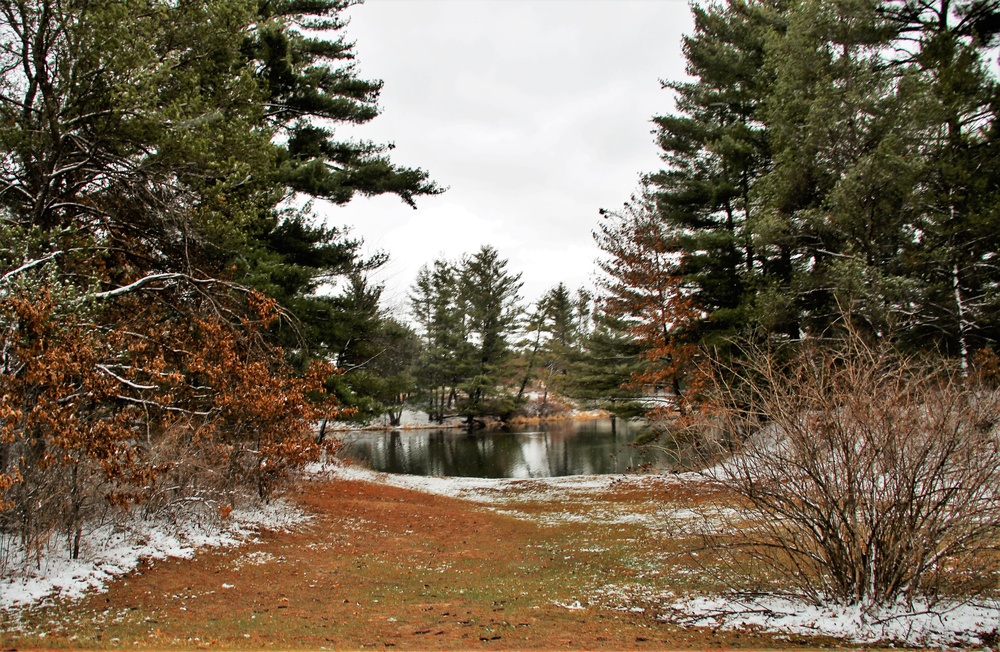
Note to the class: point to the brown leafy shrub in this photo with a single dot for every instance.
(144, 397)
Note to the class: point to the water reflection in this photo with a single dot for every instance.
(570, 448)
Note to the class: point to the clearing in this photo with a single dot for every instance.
(383, 561)
(580, 563)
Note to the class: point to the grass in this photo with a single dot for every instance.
(379, 567)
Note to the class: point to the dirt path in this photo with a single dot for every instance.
(384, 567)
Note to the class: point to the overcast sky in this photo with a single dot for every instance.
(534, 114)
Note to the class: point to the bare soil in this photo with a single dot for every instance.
(379, 567)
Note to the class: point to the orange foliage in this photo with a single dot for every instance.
(645, 288)
(145, 397)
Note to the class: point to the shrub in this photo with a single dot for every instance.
(133, 401)
(869, 478)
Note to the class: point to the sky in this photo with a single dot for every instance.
(534, 114)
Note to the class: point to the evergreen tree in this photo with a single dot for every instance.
(561, 312)
(467, 313)
(562, 325)
(600, 374)
(306, 68)
(147, 273)
(384, 377)
(837, 160)
(444, 360)
(836, 197)
(490, 296)
(715, 147)
(554, 335)
(531, 352)
(953, 111)
(135, 151)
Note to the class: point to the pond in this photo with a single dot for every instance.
(538, 451)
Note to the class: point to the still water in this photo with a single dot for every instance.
(565, 448)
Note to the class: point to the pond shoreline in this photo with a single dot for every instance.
(457, 423)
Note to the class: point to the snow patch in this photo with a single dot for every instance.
(573, 606)
(940, 625)
(495, 490)
(113, 549)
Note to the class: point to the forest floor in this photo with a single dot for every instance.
(590, 564)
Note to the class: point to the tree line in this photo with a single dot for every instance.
(481, 352)
(472, 349)
(829, 166)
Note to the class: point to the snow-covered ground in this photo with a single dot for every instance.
(411, 419)
(480, 490)
(417, 419)
(937, 626)
(114, 549)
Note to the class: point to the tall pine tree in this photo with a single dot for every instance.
(835, 160)
(715, 147)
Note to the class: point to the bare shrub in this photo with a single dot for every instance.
(870, 479)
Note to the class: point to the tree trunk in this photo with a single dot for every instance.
(963, 344)
(531, 365)
(76, 527)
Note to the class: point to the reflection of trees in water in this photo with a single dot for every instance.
(596, 450)
(563, 449)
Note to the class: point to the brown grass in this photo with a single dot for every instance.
(385, 568)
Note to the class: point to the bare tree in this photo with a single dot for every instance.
(869, 478)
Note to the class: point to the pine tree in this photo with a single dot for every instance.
(142, 175)
(561, 311)
(836, 199)
(600, 374)
(306, 68)
(467, 312)
(715, 147)
(954, 113)
(531, 356)
(833, 161)
(381, 373)
(554, 335)
(491, 296)
(444, 359)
